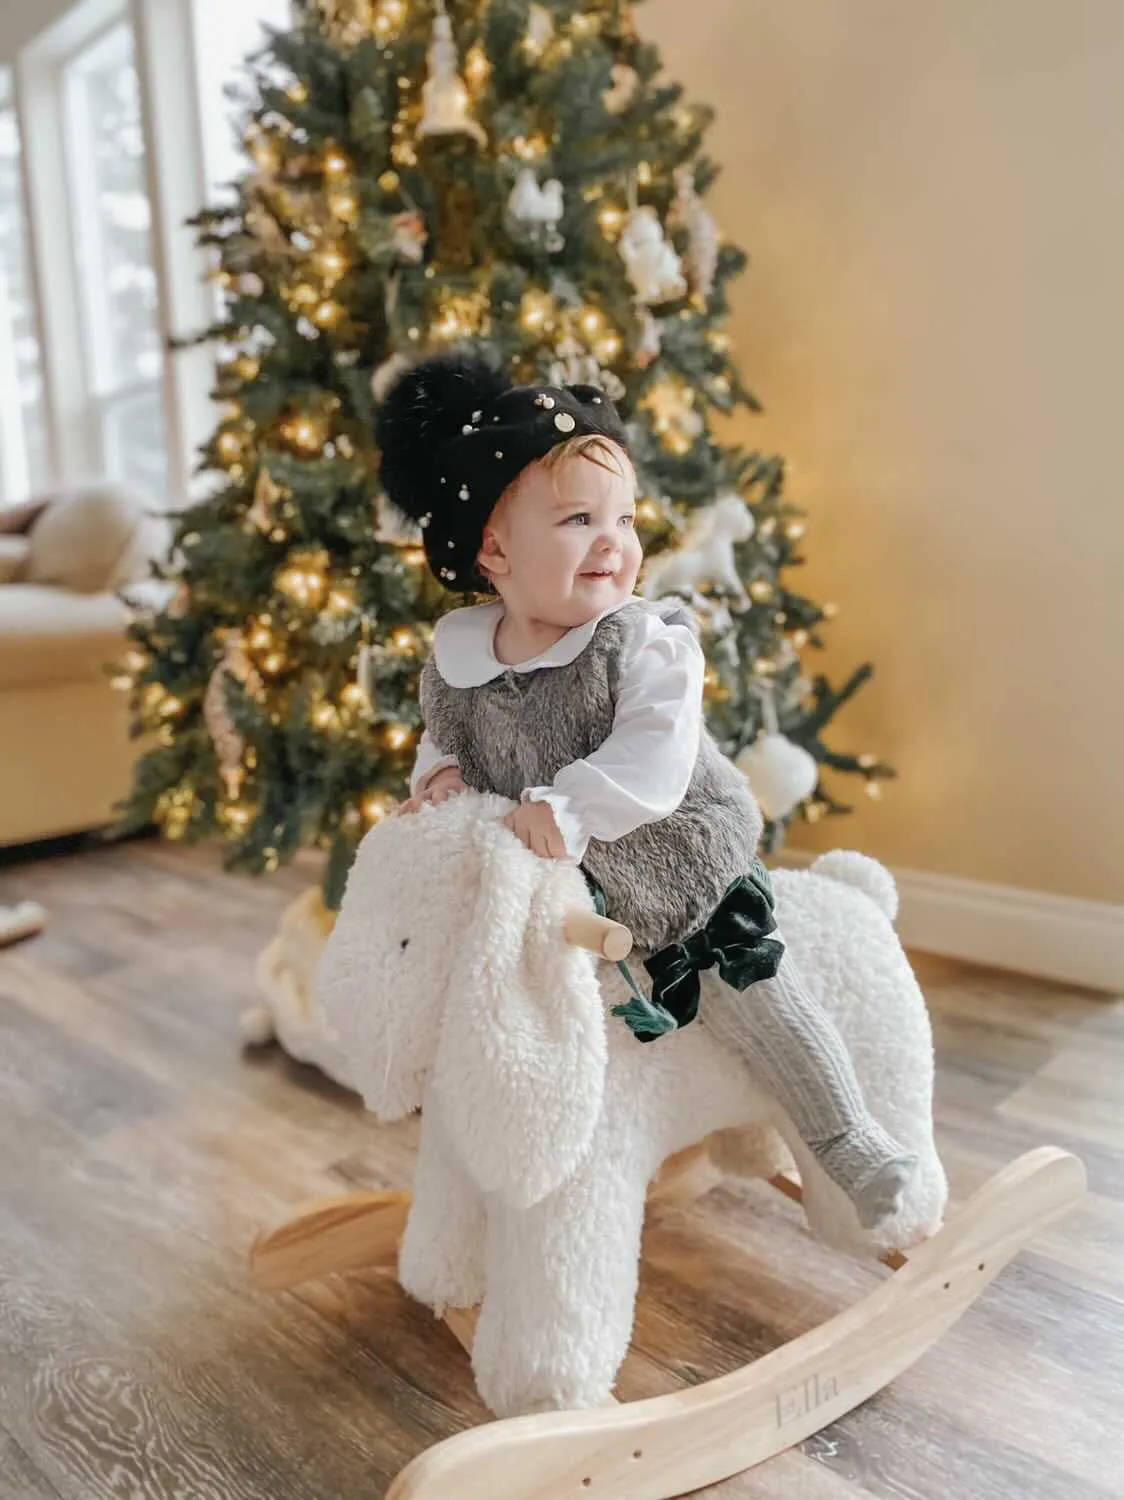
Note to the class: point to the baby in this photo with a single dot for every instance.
(583, 704)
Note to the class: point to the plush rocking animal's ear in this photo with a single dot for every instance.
(520, 1070)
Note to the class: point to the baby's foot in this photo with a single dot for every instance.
(871, 1168)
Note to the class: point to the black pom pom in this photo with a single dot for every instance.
(423, 410)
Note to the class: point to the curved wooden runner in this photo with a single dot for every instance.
(671, 1445)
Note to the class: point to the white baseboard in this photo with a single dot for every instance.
(1032, 932)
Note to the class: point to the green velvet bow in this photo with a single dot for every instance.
(734, 940)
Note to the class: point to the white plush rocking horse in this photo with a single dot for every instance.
(470, 978)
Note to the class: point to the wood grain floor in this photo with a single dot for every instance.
(140, 1150)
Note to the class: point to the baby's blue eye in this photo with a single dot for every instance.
(582, 516)
(628, 520)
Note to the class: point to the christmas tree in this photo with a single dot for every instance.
(425, 172)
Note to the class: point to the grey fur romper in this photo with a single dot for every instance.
(662, 880)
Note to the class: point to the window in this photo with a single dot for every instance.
(23, 428)
(117, 289)
(225, 36)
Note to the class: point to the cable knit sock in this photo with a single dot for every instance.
(790, 1042)
(870, 1167)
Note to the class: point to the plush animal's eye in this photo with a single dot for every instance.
(404, 944)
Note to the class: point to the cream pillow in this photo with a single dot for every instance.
(14, 551)
(85, 539)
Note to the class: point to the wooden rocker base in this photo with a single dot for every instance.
(670, 1445)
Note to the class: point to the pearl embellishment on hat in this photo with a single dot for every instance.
(542, 399)
(564, 421)
(451, 544)
(444, 480)
(463, 492)
(476, 415)
(499, 452)
(425, 520)
(467, 427)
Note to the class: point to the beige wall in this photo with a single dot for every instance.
(934, 319)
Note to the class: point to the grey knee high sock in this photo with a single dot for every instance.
(791, 1044)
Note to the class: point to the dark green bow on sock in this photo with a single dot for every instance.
(734, 940)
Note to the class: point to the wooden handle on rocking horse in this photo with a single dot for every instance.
(585, 929)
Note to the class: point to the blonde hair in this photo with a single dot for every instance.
(592, 445)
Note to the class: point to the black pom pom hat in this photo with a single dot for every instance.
(454, 433)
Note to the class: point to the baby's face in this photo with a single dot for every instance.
(562, 545)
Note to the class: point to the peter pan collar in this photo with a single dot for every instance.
(463, 644)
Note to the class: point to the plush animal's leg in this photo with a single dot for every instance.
(557, 1316)
(441, 1261)
(791, 1044)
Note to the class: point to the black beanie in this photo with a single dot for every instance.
(454, 433)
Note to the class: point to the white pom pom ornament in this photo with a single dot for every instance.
(780, 774)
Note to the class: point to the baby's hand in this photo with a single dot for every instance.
(533, 822)
(447, 782)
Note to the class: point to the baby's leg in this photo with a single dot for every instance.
(791, 1044)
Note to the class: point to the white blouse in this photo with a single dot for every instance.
(641, 772)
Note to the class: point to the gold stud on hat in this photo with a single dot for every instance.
(564, 421)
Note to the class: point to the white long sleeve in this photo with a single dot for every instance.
(427, 762)
(641, 772)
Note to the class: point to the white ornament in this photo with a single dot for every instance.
(652, 264)
(409, 235)
(706, 554)
(620, 95)
(651, 341)
(444, 96)
(575, 365)
(540, 207)
(540, 28)
(702, 232)
(780, 774)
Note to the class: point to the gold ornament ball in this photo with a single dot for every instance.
(344, 205)
(389, 182)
